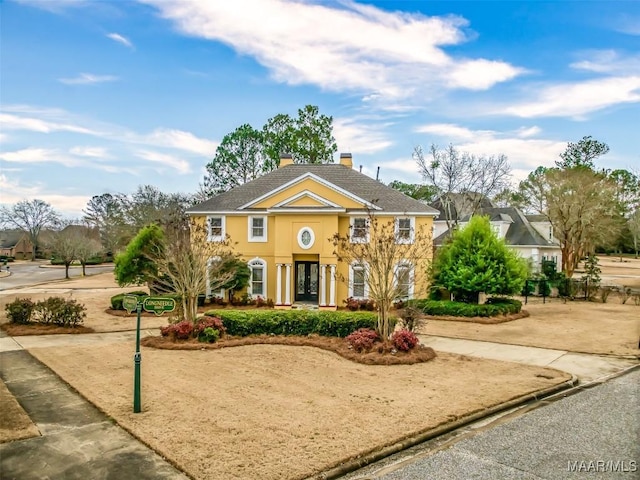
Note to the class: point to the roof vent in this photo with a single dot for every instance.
(346, 160)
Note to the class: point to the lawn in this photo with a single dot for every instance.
(282, 412)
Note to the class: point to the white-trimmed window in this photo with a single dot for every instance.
(550, 237)
(358, 287)
(257, 229)
(258, 283)
(405, 227)
(359, 229)
(215, 228)
(404, 280)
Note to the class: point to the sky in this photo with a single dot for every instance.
(101, 96)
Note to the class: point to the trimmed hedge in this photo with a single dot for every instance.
(293, 322)
(493, 307)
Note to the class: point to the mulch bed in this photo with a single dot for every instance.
(17, 330)
(483, 320)
(381, 354)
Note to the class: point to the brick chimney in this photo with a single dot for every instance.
(285, 159)
(346, 160)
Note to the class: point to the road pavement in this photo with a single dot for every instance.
(593, 433)
(24, 274)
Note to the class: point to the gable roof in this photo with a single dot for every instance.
(10, 238)
(460, 204)
(342, 178)
(520, 231)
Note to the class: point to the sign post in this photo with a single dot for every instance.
(157, 305)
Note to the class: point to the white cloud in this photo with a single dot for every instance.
(93, 152)
(116, 37)
(524, 153)
(182, 166)
(16, 122)
(577, 99)
(342, 47)
(88, 79)
(39, 155)
(181, 140)
(69, 205)
(358, 137)
(609, 62)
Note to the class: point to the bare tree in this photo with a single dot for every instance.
(463, 180)
(106, 213)
(65, 244)
(382, 258)
(86, 250)
(186, 263)
(634, 227)
(31, 216)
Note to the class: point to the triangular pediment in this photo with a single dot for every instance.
(309, 191)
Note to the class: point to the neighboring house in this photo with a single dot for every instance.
(530, 235)
(15, 243)
(281, 224)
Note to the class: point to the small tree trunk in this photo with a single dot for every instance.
(66, 269)
(84, 272)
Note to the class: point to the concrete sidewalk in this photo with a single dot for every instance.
(76, 440)
(587, 367)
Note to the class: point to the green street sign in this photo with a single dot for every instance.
(129, 303)
(159, 305)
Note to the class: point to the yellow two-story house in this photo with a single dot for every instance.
(281, 224)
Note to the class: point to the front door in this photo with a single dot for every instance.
(307, 281)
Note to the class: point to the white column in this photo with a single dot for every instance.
(332, 287)
(279, 284)
(323, 285)
(287, 284)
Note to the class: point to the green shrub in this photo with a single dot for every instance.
(97, 260)
(59, 311)
(209, 335)
(494, 306)
(116, 300)
(293, 322)
(20, 310)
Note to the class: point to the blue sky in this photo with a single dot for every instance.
(100, 96)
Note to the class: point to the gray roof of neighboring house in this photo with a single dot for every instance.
(459, 203)
(9, 238)
(344, 177)
(537, 218)
(520, 231)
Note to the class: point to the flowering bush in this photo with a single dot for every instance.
(354, 304)
(363, 339)
(181, 330)
(208, 322)
(404, 340)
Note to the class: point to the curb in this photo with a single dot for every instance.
(397, 447)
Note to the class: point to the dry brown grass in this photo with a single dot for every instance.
(382, 354)
(574, 326)
(15, 424)
(282, 412)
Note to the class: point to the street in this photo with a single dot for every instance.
(593, 433)
(24, 274)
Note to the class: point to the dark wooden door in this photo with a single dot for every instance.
(307, 281)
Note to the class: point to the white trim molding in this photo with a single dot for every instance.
(258, 263)
(306, 241)
(412, 228)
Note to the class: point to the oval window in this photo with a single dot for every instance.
(306, 238)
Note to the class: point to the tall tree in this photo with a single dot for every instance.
(70, 242)
(106, 213)
(239, 159)
(380, 258)
(579, 202)
(426, 193)
(462, 180)
(476, 261)
(582, 153)
(148, 205)
(247, 153)
(277, 138)
(634, 228)
(313, 140)
(30, 216)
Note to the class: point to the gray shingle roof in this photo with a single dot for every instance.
(346, 178)
(520, 231)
